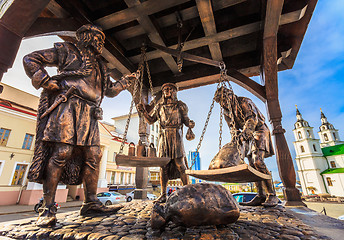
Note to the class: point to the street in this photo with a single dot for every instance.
(24, 215)
(332, 209)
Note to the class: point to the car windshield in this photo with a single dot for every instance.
(115, 193)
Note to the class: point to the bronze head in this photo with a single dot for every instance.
(90, 36)
(169, 90)
(223, 96)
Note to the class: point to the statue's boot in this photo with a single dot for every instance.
(271, 201)
(161, 199)
(47, 217)
(97, 208)
(256, 201)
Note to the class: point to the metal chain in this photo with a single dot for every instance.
(204, 128)
(136, 87)
(128, 119)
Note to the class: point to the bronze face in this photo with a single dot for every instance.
(169, 92)
(98, 43)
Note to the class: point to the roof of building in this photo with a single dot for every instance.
(333, 150)
(333, 170)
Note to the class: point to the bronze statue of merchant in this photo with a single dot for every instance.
(250, 135)
(172, 114)
(67, 147)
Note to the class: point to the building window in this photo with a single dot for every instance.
(129, 178)
(4, 134)
(122, 178)
(113, 177)
(334, 135)
(19, 173)
(325, 137)
(302, 149)
(1, 166)
(152, 139)
(329, 181)
(27, 141)
(157, 128)
(315, 149)
(333, 164)
(152, 127)
(154, 176)
(309, 134)
(299, 134)
(114, 156)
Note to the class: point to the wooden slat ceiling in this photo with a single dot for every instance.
(228, 30)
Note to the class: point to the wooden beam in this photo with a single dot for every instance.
(222, 36)
(152, 32)
(206, 14)
(168, 20)
(127, 15)
(53, 26)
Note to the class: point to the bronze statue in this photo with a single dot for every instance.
(67, 147)
(250, 138)
(172, 114)
(196, 205)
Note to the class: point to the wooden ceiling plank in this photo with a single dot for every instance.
(170, 19)
(80, 14)
(52, 26)
(130, 14)
(225, 35)
(57, 10)
(152, 33)
(206, 14)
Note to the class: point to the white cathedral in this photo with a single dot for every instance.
(320, 163)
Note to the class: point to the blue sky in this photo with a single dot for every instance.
(316, 81)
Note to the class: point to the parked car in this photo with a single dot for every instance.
(130, 196)
(151, 196)
(246, 197)
(109, 198)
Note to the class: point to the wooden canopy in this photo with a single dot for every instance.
(225, 30)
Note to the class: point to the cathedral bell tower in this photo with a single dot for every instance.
(309, 158)
(328, 134)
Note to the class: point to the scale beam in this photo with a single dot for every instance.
(238, 174)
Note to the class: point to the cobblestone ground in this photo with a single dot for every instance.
(133, 222)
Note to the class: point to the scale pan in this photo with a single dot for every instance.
(237, 174)
(135, 161)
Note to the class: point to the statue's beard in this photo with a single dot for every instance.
(93, 46)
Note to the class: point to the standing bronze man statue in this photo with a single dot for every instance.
(172, 114)
(67, 147)
(249, 132)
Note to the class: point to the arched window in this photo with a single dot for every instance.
(325, 137)
(299, 134)
(315, 149)
(309, 134)
(302, 149)
(334, 135)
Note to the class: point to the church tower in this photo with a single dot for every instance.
(328, 134)
(309, 157)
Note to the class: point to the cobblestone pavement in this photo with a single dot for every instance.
(133, 222)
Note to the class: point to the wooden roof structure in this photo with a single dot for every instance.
(223, 30)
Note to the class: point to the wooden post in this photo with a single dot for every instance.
(284, 160)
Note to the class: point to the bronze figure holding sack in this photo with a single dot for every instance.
(250, 138)
(172, 114)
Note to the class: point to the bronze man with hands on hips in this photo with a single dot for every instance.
(67, 147)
